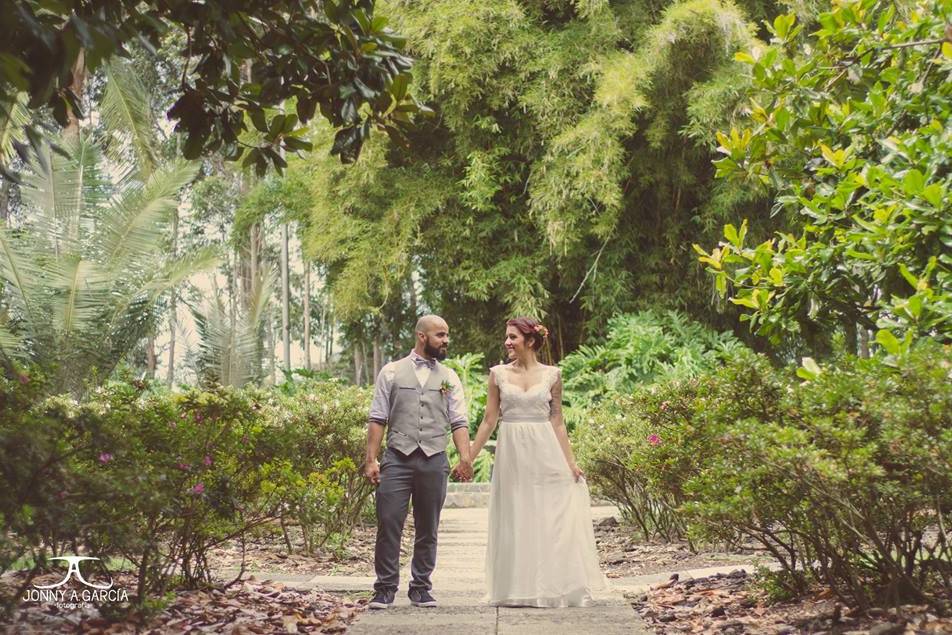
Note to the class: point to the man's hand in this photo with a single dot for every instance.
(372, 472)
(463, 471)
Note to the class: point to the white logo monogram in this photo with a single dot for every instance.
(74, 570)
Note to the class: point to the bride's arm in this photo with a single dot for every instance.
(558, 424)
(490, 418)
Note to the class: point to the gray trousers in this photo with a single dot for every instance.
(403, 478)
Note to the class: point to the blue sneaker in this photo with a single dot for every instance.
(421, 597)
(382, 600)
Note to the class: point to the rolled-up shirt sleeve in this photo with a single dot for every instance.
(458, 414)
(380, 406)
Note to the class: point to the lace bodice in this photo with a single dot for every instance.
(537, 403)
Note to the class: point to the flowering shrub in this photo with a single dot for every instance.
(640, 450)
(848, 481)
(158, 479)
(845, 478)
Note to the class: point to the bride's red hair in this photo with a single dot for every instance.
(531, 329)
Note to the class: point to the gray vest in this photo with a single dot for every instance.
(419, 415)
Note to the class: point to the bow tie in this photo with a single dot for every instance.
(422, 361)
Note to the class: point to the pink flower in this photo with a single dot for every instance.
(105, 457)
(198, 416)
(207, 460)
(654, 439)
(198, 489)
(183, 466)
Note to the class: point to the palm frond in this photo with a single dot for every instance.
(22, 273)
(230, 351)
(14, 115)
(81, 289)
(128, 117)
(176, 272)
(11, 345)
(65, 191)
(135, 225)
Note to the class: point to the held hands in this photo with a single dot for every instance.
(463, 471)
(372, 472)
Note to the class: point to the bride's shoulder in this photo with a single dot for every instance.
(497, 371)
(499, 368)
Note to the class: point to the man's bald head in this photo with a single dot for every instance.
(429, 323)
(432, 337)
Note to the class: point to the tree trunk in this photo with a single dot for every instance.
(357, 366)
(5, 202)
(307, 315)
(173, 318)
(150, 361)
(863, 342)
(76, 85)
(285, 298)
(851, 337)
(411, 287)
(330, 334)
(271, 364)
(378, 358)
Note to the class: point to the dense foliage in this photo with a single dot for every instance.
(157, 479)
(639, 349)
(565, 176)
(242, 58)
(844, 479)
(848, 129)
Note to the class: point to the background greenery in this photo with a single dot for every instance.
(734, 218)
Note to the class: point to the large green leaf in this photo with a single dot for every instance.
(127, 115)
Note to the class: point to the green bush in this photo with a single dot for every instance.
(323, 432)
(846, 478)
(641, 450)
(640, 348)
(469, 367)
(848, 482)
(158, 479)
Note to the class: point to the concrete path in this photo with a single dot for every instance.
(458, 585)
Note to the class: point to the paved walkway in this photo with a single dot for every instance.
(458, 585)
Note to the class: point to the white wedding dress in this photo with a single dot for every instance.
(541, 549)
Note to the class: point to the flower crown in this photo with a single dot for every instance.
(541, 330)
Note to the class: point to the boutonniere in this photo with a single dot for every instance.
(446, 388)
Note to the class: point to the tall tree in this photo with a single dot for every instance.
(566, 175)
(336, 56)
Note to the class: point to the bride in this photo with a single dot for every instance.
(541, 548)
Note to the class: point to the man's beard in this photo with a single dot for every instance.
(434, 352)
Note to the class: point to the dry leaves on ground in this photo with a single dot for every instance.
(623, 555)
(268, 552)
(252, 607)
(726, 604)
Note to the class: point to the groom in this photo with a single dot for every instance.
(419, 401)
